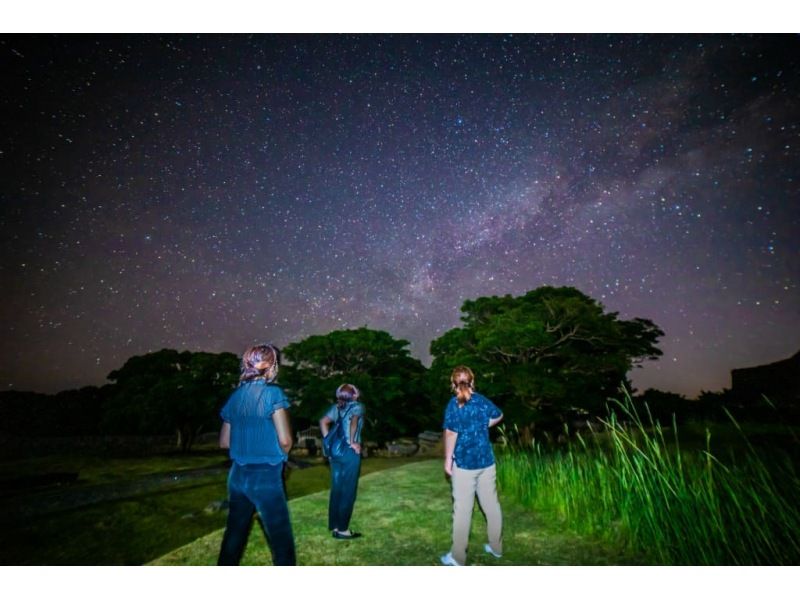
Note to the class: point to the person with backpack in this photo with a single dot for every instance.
(341, 437)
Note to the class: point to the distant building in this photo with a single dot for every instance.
(778, 381)
(310, 437)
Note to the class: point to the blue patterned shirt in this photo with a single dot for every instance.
(471, 423)
(249, 412)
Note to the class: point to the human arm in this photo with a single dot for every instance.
(325, 425)
(449, 448)
(451, 428)
(356, 446)
(280, 417)
(225, 436)
(495, 415)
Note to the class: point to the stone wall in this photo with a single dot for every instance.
(427, 443)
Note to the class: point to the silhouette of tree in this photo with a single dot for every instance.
(389, 379)
(168, 391)
(546, 353)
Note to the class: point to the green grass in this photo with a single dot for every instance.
(625, 495)
(122, 532)
(405, 515)
(316, 479)
(134, 530)
(127, 531)
(98, 469)
(635, 486)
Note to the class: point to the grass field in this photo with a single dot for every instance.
(638, 485)
(127, 531)
(630, 494)
(100, 469)
(405, 516)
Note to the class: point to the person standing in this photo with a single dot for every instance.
(469, 461)
(256, 430)
(346, 468)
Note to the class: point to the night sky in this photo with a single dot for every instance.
(203, 192)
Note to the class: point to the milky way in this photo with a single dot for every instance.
(203, 192)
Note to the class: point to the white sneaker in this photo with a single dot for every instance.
(447, 559)
(488, 549)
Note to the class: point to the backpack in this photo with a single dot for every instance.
(335, 443)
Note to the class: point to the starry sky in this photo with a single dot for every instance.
(203, 192)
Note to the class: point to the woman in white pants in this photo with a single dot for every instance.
(469, 460)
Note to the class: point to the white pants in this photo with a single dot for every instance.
(467, 483)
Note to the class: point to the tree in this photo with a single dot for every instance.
(712, 406)
(544, 354)
(80, 411)
(662, 406)
(75, 412)
(168, 391)
(389, 379)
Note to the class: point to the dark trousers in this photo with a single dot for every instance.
(344, 485)
(257, 488)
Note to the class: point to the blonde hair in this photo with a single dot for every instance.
(462, 381)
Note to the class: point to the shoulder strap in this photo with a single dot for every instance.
(340, 420)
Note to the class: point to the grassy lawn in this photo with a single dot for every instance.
(133, 530)
(405, 515)
(99, 469)
(316, 479)
(121, 532)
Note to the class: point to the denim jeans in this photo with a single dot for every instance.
(257, 487)
(344, 484)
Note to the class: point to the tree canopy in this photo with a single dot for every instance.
(390, 380)
(168, 391)
(552, 350)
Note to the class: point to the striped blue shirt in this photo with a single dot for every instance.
(249, 412)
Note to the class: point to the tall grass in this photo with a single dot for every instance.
(632, 484)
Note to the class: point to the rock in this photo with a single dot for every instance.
(216, 506)
(401, 449)
(369, 449)
(429, 436)
(430, 443)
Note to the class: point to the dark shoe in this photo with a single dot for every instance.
(346, 535)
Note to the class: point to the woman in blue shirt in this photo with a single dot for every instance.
(469, 460)
(344, 469)
(257, 432)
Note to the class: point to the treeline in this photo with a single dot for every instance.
(546, 358)
(723, 406)
(166, 392)
(69, 413)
